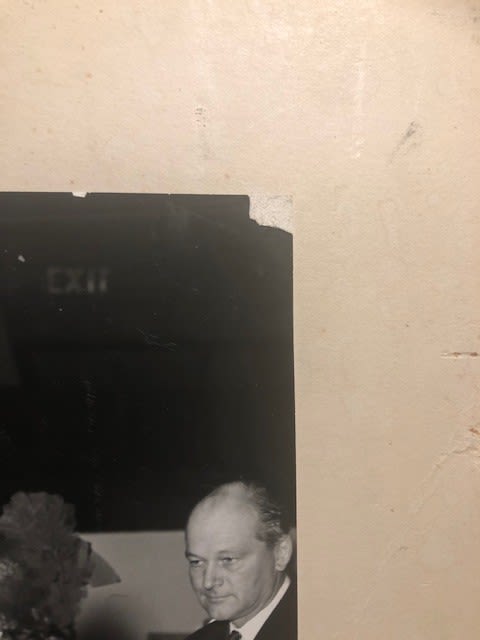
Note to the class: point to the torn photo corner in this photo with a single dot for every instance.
(272, 210)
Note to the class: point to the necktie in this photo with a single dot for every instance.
(235, 635)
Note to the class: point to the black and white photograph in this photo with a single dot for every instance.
(147, 430)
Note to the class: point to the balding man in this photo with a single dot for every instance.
(238, 552)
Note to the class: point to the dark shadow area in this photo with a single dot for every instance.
(146, 353)
(166, 636)
(107, 624)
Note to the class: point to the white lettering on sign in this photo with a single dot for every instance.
(77, 280)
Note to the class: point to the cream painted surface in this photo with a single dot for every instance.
(366, 113)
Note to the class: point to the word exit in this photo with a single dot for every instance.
(77, 280)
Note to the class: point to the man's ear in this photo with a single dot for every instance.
(283, 552)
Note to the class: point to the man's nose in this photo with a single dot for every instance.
(211, 577)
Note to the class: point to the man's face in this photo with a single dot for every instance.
(233, 574)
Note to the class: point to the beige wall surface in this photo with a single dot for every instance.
(366, 113)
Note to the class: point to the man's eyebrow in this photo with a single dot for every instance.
(189, 554)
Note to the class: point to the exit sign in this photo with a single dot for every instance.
(77, 280)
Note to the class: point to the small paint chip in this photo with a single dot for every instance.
(21, 258)
(79, 194)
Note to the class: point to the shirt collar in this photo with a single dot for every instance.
(250, 629)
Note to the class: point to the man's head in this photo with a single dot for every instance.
(237, 551)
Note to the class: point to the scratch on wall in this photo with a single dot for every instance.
(408, 141)
(456, 355)
(272, 211)
(358, 138)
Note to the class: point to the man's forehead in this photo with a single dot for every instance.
(213, 538)
(223, 514)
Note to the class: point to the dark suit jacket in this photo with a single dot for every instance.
(280, 625)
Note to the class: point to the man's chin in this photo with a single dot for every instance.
(219, 608)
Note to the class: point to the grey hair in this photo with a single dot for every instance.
(271, 516)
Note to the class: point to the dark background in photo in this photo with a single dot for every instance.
(146, 353)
